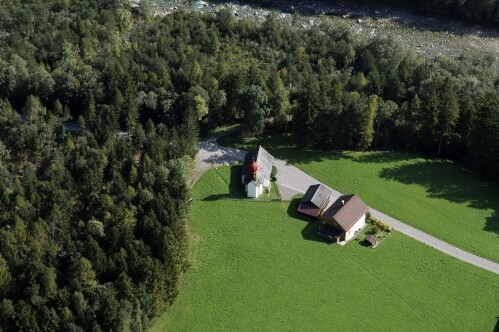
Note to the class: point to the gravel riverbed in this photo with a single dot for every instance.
(426, 35)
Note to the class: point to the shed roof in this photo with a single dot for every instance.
(345, 211)
(264, 160)
(309, 209)
(371, 239)
(318, 195)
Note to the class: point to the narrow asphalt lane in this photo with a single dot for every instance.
(438, 244)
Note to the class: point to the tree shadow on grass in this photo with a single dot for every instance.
(296, 155)
(444, 180)
(492, 223)
(377, 157)
(235, 189)
(280, 146)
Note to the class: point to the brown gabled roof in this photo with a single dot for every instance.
(318, 195)
(309, 209)
(371, 239)
(264, 160)
(345, 211)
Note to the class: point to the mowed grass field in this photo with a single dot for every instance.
(257, 267)
(437, 197)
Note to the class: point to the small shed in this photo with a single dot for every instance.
(371, 240)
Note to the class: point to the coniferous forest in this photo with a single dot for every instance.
(101, 105)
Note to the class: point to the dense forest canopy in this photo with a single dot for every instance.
(100, 108)
(92, 219)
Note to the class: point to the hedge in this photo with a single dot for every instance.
(383, 225)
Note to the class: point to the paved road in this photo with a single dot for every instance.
(440, 245)
(294, 181)
(211, 155)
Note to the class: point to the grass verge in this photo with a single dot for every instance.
(258, 267)
(435, 196)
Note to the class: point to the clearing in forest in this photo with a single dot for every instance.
(438, 197)
(257, 266)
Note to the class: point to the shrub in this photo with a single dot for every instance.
(273, 173)
(382, 225)
(277, 190)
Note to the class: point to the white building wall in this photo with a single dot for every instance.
(356, 227)
(266, 183)
(252, 189)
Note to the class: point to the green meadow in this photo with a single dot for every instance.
(256, 266)
(436, 196)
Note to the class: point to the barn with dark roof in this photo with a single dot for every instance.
(256, 172)
(315, 200)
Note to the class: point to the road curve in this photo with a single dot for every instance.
(294, 181)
